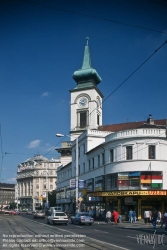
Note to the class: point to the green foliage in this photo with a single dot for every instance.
(52, 198)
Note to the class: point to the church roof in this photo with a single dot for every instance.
(86, 77)
(160, 124)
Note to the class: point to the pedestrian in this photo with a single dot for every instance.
(159, 217)
(162, 221)
(165, 220)
(134, 216)
(146, 217)
(154, 218)
(115, 217)
(104, 216)
(130, 215)
(108, 217)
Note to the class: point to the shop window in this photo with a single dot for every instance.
(151, 152)
(129, 153)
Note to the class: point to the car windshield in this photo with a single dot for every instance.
(60, 214)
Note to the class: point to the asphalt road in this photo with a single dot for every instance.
(123, 236)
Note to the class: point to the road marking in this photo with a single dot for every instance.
(101, 231)
(98, 241)
(131, 237)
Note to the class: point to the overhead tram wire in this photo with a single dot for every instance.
(121, 84)
(94, 17)
(129, 76)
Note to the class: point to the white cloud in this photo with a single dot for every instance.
(45, 93)
(34, 144)
(11, 180)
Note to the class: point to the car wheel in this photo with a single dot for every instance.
(48, 222)
(72, 222)
(66, 224)
(90, 224)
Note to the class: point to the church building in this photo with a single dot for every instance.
(118, 166)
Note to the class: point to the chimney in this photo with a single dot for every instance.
(150, 120)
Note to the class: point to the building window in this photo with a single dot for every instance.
(79, 152)
(93, 163)
(37, 186)
(151, 152)
(83, 148)
(111, 155)
(98, 120)
(79, 170)
(51, 179)
(103, 161)
(89, 165)
(51, 186)
(98, 160)
(129, 153)
(83, 167)
(82, 119)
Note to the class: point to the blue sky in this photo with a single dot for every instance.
(42, 44)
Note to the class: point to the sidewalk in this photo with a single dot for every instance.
(138, 224)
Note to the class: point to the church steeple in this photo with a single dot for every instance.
(86, 76)
(86, 60)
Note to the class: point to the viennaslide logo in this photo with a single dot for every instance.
(150, 239)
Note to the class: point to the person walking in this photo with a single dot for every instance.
(130, 215)
(108, 217)
(115, 217)
(146, 217)
(104, 215)
(165, 220)
(134, 216)
(162, 221)
(154, 218)
(159, 217)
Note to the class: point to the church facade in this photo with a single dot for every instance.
(122, 166)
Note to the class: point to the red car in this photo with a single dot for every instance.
(12, 212)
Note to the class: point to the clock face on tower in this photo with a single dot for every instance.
(83, 101)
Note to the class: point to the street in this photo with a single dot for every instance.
(24, 232)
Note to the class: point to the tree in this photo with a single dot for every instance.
(52, 198)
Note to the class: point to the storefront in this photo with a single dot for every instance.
(136, 200)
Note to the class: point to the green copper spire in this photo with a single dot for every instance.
(86, 61)
(86, 76)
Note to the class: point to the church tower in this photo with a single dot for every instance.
(86, 98)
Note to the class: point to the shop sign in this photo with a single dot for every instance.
(95, 199)
(131, 193)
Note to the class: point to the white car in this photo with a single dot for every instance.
(57, 218)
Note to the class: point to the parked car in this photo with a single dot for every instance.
(12, 212)
(17, 211)
(29, 212)
(82, 218)
(39, 214)
(57, 218)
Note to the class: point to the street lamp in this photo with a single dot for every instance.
(76, 173)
